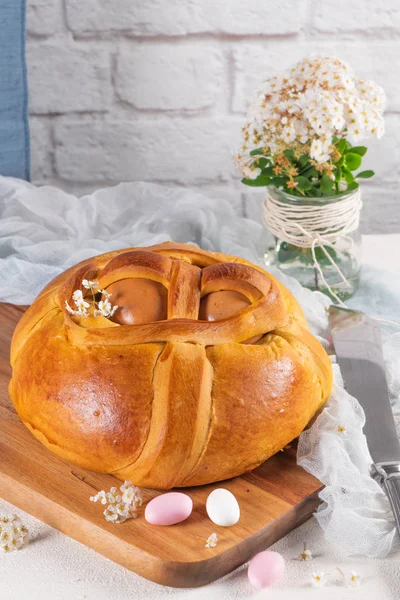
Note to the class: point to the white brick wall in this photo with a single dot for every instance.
(43, 17)
(156, 89)
(146, 74)
(183, 17)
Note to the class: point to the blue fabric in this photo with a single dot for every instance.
(14, 129)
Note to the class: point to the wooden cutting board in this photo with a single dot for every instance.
(274, 499)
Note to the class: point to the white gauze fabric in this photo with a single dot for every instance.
(45, 230)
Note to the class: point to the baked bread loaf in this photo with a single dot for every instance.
(206, 369)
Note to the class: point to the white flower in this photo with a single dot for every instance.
(251, 172)
(318, 579)
(119, 513)
(105, 309)
(305, 555)
(126, 485)
(120, 507)
(81, 304)
(111, 514)
(355, 579)
(6, 535)
(319, 150)
(79, 300)
(212, 541)
(288, 133)
(354, 132)
(69, 309)
(130, 496)
(100, 496)
(81, 312)
(111, 498)
(90, 285)
(13, 534)
(106, 295)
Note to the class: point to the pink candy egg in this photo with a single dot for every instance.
(168, 509)
(265, 569)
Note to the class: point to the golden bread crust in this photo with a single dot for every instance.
(175, 402)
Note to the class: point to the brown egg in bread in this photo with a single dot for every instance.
(206, 369)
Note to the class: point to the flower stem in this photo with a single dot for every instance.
(316, 279)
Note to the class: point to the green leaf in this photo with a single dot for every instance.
(317, 192)
(262, 180)
(326, 184)
(303, 161)
(353, 161)
(365, 174)
(289, 154)
(269, 171)
(352, 186)
(348, 175)
(338, 174)
(310, 171)
(306, 256)
(361, 150)
(341, 146)
(261, 163)
(341, 160)
(256, 152)
(287, 253)
(322, 258)
(278, 181)
(303, 183)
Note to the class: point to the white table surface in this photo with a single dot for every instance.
(55, 567)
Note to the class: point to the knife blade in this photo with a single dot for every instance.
(358, 346)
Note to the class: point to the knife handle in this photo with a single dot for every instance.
(389, 478)
(391, 486)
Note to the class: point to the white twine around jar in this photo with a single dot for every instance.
(314, 226)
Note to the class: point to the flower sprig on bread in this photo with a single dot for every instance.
(86, 306)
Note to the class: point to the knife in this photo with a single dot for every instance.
(358, 347)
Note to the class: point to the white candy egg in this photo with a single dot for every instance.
(223, 508)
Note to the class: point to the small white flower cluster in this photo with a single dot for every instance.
(103, 308)
(212, 541)
(305, 107)
(320, 578)
(13, 534)
(122, 504)
(89, 285)
(81, 305)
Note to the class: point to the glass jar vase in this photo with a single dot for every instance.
(303, 252)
